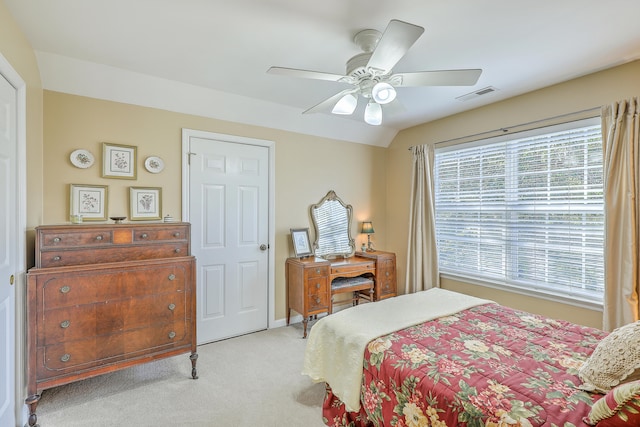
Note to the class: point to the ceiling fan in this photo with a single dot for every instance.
(371, 72)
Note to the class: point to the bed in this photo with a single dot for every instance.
(439, 358)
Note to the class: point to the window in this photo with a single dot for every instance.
(525, 211)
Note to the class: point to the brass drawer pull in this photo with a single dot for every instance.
(317, 270)
(387, 273)
(178, 250)
(172, 335)
(172, 276)
(317, 300)
(65, 324)
(65, 357)
(57, 240)
(317, 285)
(57, 258)
(65, 289)
(176, 234)
(172, 306)
(144, 235)
(98, 237)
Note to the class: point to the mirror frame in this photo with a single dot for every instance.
(332, 196)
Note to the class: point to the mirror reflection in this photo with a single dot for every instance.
(332, 223)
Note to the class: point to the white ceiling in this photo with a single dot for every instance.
(210, 57)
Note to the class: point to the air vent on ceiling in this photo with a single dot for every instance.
(477, 93)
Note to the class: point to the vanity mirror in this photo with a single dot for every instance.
(332, 223)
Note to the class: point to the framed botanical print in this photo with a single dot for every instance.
(145, 203)
(119, 161)
(301, 244)
(88, 202)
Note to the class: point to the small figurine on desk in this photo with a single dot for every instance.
(364, 247)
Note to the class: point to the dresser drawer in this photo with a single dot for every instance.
(74, 288)
(77, 322)
(61, 358)
(56, 239)
(170, 233)
(62, 258)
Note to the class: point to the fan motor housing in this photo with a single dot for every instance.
(367, 40)
(356, 66)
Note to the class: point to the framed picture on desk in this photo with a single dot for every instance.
(301, 244)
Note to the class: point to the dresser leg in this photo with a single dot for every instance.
(194, 359)
(32, 403)
(305, 321)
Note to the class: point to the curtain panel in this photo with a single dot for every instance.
(621, 149)
(422, 254)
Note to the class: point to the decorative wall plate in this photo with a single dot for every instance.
(154, 164)
(82, 159)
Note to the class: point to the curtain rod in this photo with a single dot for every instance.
(506, 129)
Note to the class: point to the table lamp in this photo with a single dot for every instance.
(367, 228)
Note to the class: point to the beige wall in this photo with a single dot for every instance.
(306, 167)
(16, 50)
(576, 95)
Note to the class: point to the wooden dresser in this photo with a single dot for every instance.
(106, 297)
(311, 282)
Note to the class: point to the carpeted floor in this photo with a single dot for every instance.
(252, 380)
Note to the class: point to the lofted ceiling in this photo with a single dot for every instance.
(210, 57)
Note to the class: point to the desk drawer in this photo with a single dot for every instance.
(316, 271)
(318, 299)
(353, 269)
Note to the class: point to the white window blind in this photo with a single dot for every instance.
(525, 211)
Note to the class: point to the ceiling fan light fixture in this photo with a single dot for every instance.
(347, 105)
(373, 114)
(383, 93)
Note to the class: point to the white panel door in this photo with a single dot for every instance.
(228, 208)
(8, 244)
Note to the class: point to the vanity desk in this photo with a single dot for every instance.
(313, 282)
(335, 268)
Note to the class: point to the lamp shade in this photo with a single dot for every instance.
(383, 93)
(347, 105)
(367, 227)
(373, 114)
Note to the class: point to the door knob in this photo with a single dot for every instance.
(263, 247)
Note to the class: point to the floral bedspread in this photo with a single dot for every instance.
(485, 366)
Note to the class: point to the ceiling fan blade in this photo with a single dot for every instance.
(305, 74)
(440, 78)
(327, 105)
(396, 40)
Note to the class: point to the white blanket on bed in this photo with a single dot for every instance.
(336, 343)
